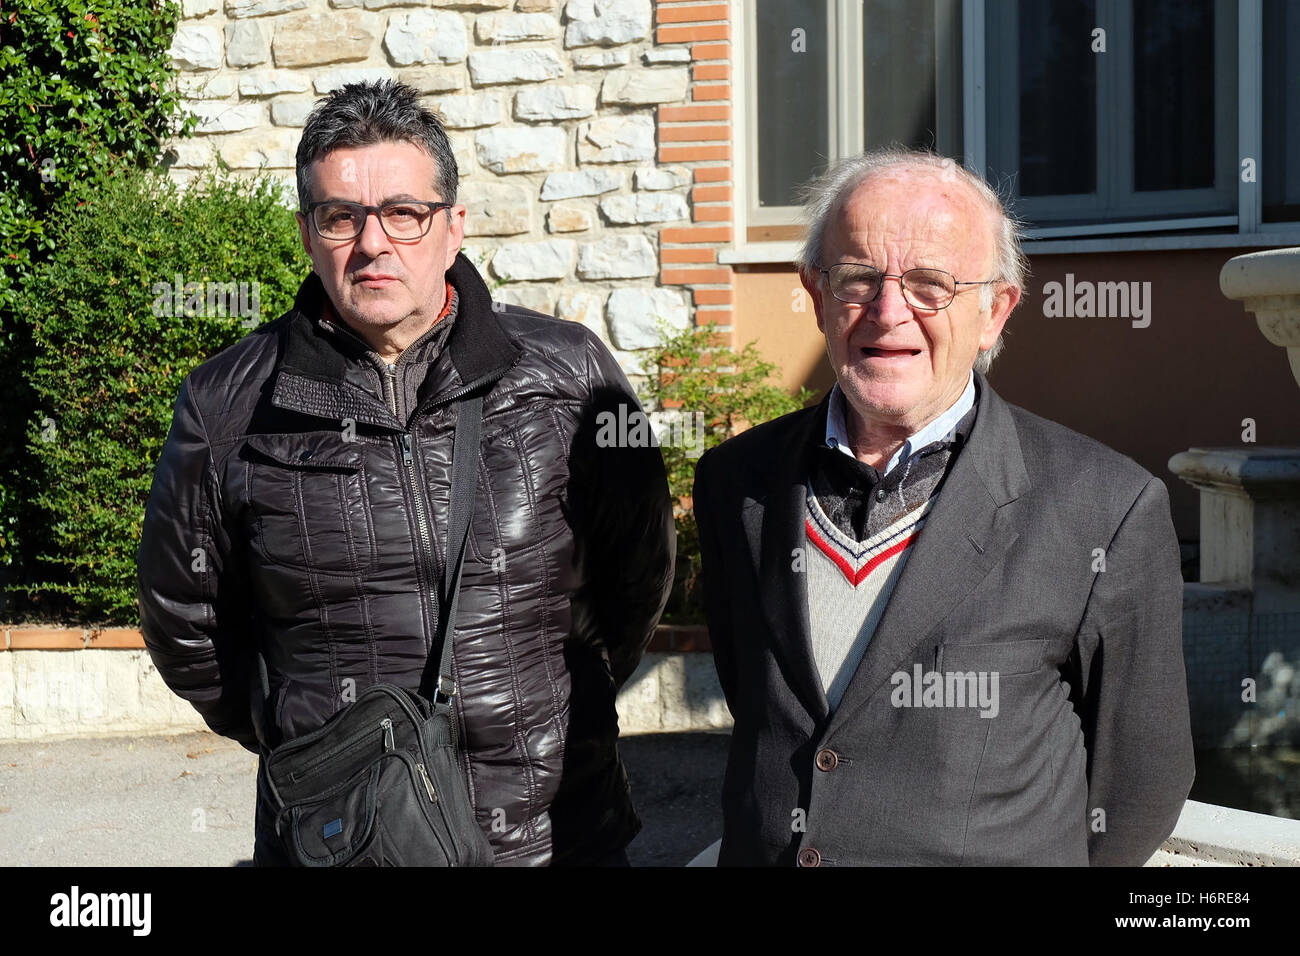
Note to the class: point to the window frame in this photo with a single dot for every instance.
(770, 234)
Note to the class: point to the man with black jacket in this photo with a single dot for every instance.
(300, 504)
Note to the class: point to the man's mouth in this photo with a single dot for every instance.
(889, 353)
(374, 281)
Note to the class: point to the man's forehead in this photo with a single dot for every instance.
(921, 208)
(388, 159)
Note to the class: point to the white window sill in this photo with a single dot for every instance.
(783, 253)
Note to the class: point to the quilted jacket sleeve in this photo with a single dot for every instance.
(192, 585)
(624, 520)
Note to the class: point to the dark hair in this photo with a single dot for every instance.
(363, 114)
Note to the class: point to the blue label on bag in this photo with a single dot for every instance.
(333, 828)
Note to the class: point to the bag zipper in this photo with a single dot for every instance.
(428, 784)
(302, 743)
(350, 744)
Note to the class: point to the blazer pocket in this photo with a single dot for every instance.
(1005, 658)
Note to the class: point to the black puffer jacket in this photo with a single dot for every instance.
(268, 527)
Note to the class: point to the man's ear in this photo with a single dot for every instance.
(304, 231)
(812, 285)
(456, 236)
(1005, 300)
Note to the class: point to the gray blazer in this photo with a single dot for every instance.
(1089, 757)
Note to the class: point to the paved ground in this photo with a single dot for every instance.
(187, 800)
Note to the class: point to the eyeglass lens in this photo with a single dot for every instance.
(346, 220)
(924, 288)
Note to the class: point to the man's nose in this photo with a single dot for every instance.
(373, 240)
(890, 307)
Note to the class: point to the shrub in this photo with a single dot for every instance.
(689, 374)
(111, 351)
(82, 86)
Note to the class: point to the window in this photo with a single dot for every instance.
(1279, 173)
(793, 50)
(1098, 117)
(1113, 111)
(815, 95)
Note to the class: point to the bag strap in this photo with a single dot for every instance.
(464, 485)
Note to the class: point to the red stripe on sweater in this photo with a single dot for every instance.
(855, 577)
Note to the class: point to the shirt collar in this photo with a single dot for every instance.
(837, 432)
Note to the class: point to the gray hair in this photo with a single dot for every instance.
(822, 196)
(364, 114)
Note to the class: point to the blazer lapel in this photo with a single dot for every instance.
(966, 534)
(774, 528)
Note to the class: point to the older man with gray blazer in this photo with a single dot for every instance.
(949, 631)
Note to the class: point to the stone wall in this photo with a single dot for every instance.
(593, 145)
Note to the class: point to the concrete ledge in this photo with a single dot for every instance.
(688, 638)
(46, 638)
(1210, 835)
(673, 691)
(47, 694)
(71, 682)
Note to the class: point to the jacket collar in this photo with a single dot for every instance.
(316, 376)
(966, 534)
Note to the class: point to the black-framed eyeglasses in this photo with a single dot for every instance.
(927, 289)
(400, 219)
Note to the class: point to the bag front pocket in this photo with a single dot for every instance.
(382, 816)
(329, 829)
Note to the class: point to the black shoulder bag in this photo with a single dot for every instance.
(380, 784)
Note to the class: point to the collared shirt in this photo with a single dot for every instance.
(837, 432)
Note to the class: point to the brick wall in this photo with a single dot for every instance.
(699, 134)
(593, 136)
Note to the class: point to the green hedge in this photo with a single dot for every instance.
(83, 86)
(111, 350)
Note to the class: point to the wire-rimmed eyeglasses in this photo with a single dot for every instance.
(400, 219)
(927, 289)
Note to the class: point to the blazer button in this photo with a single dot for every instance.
(827, 760)
(810, 857)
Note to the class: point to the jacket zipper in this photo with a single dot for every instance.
(390, 386)
(422, 521)
(421, 513)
